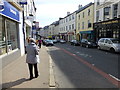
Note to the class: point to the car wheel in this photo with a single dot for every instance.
(99, 47)
(87, 46)
(81, 45)
(112, 50)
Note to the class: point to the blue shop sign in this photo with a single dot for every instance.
(9, 11)
(86, 32)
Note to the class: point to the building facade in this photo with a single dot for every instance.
(107, 19)
(84, 22)
(70, 26)
(12, 41)
(62, 30)
(11, 33)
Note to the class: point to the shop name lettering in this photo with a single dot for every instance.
(110, 22)
(11, 10)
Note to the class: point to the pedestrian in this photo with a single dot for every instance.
(39, 43)
(32, 58)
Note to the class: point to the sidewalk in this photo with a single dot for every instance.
(16, 74)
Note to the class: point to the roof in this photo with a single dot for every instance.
(86, 6)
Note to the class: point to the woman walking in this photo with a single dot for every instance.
(32, 58)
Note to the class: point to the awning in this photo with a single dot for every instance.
(86, 32)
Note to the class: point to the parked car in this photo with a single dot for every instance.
(55, 41)
(75, 42)
(88, 43)
(110, 44)
(62, 41)
(49, 43)
(44, 41)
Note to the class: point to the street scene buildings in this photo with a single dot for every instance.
(74, 67)
(92, 21)
(17, 19)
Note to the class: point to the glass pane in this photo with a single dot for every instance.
(11, 35)
(2, 37)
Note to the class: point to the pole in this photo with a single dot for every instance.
(23, 26)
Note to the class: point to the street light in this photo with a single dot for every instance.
(23, 2)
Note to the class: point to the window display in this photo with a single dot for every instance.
(8, 35)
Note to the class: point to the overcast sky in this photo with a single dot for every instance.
(49, 11)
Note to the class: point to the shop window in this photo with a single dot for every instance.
(2, 37)
(12, 39)
(8, 35)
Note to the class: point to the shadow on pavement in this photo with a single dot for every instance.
(14, 83)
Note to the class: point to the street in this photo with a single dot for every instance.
(79, 67)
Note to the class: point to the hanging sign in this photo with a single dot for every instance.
(23, 2)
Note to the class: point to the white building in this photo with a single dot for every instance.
(62, 29)
(71, 26)
(67, 26)
(106, 9)
(11, 19)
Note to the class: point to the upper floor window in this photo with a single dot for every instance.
(115, 10)
(106, 10)
(97, 16)
(69, 27)
(78, 26)
(66, 28)
(83, 15)
(72, 26)
(98, 2)
(79, 17)
(89, 24)
(88, 12)
(82, 25)
(72, 16)
(69, 18)
(66, 19)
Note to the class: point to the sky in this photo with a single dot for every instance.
(49, 11)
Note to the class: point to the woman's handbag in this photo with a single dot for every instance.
(37, 59)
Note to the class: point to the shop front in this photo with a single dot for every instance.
(107, 29)
(87, 35)
(71, 36)
(9, 33)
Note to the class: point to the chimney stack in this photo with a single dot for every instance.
(68, 13)
(79, 7)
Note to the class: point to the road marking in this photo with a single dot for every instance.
(68, 48)
(74, 54)
(78, 52)
(114, 77)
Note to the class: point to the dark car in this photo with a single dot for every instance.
(75, 42)
(88, 43)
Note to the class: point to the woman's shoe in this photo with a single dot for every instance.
(36, 76)
(30, 78)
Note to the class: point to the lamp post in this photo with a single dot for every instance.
(23, 2)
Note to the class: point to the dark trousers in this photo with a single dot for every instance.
(31, 70)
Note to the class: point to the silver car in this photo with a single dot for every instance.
(110, 44)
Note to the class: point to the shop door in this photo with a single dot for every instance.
(109, 34)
